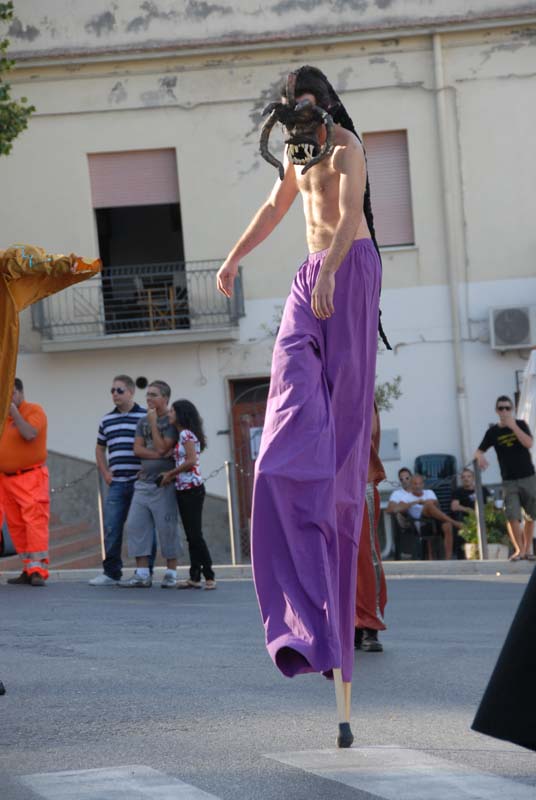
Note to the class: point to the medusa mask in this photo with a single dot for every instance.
(301, 121)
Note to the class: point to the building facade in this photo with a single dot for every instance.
(144, 149)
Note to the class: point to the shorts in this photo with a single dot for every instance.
(153, 508)
(520, 494)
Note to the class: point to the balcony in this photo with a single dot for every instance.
(145, 304)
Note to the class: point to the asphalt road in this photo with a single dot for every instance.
(180, 682)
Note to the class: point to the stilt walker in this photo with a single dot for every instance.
(311, 471)
(28, 274)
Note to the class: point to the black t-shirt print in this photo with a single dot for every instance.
(514, 459)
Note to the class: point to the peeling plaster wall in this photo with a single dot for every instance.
(58, 26)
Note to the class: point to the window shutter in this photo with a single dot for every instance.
(390, 190)
(133, 178)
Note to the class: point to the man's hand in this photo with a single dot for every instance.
(455, 505)
(322, 295)
(226, 277)
(13, 410)
(483, 462)
(108, 477)
(508, 419)
(151, 416)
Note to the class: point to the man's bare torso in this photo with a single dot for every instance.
(319, 189)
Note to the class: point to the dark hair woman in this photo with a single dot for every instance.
(190, 490)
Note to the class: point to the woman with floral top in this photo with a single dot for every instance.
(190, 490)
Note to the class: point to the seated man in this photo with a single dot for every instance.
(420, 504)
(404, 476)
(464, 496)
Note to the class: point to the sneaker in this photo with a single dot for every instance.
(103, 580)
(169, 581)
(369, 641)
(22, 578)
(135, 582)
(37, 580)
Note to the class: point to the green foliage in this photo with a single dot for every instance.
(386, 393)
(14, 114)
(495, 525)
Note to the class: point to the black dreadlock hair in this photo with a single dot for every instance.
(311, 80)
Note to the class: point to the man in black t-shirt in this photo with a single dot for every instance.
(512, 441)
(464, 496)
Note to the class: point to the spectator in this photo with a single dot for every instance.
(464, 496)
(24, 495)
(190, 491)
(154, 507)
(512, 441)
(404, 476)
(421, 503)
(116, 435)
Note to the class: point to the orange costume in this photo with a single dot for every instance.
(371, 586)
(28, 274)
(24, 488)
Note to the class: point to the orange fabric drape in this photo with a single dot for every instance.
(28, 274)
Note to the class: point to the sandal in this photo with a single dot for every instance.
(514, 558)
(189, 584)
(210, 584)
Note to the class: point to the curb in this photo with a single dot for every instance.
(393, 569)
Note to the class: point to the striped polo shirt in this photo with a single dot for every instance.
(117, 432)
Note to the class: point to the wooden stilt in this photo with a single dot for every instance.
(347, 685)
(342, 696)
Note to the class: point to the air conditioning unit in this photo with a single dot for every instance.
(512, 327)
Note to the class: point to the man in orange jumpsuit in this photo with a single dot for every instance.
(371, 586)
(24, 495)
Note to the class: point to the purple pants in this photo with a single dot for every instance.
(311, 472)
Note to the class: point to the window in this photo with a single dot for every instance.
(135, 195)
(388, 166)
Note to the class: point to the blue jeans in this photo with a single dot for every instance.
(116, 508)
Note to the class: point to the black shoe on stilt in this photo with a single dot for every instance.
(345, 737)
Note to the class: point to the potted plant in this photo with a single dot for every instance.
(496, 533)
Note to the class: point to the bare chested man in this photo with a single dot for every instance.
(312, 466)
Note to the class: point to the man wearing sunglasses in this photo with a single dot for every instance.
(119, 467)
(512, 441)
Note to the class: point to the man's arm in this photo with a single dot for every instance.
(162, 444)
(349, 161)
(263, 223)
(394, 507)
(481, 459)
(102, 463)
(143, 452)
(522, 436)
(26, 430)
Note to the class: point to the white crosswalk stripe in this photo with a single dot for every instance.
(396, 773)
(117, 783)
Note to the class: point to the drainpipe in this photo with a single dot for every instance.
(454, 249)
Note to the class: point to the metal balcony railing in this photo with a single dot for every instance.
(139, 298)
